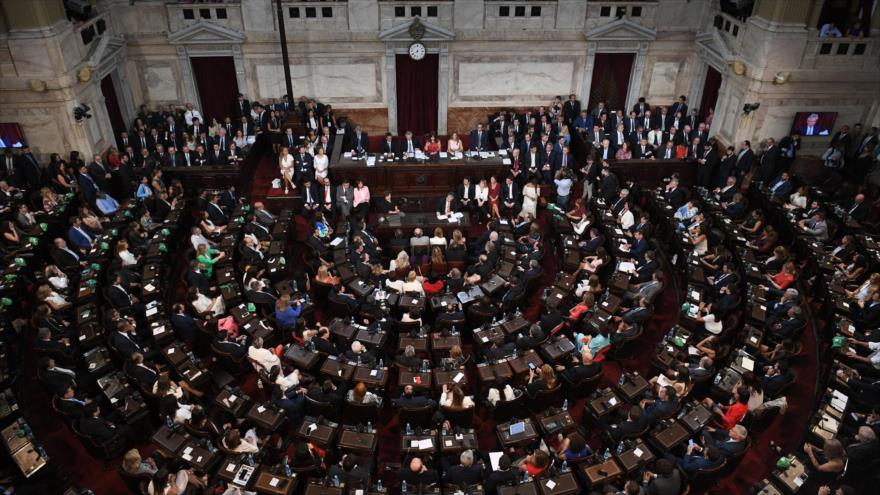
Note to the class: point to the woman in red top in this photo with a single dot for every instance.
(432, 147)
(582, 307)
(494, 197)
(729, 416)
(785, 276)
(536, 463)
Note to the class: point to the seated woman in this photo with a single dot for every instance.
(170, 407)
(591, 285)
(233, 441)
(587, 302)
(206, 305)
(753, 224)
(866, 289)
(55, 300)
(579, 217)
(208, 227)
(413, 283)
(779, 257)
(57, 279)
(178, 483)
(206, 257)
(455, 359)
(830, 460)
(439, 238)
(798, 200)
(679, 379)
(591, 264)
(729, 416)
(784, 278)
(766, 241)
(432, 147)
(285, 382)
(323, 276)
(544, 378)
(455, 398)
(710, 320)
(699, 240)
(359, 394)
(124, 255)
(135, 465)
(164, 385)
(572, 447)
(400, 265)
(49, 199)
(535, 463)
(848, 273)
(92, 221)
(594, 343)
(752, 384)
(144, 190)
(13, 237)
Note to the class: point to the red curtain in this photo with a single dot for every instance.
(710, 92)
(112, 104)
(218, 88)
(417, 94)
(611, 73)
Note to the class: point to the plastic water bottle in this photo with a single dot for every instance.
(286, 464)
(359, 360)
(409, 429)
(169, 422)
(619, 448)
(565, 405)
(352, 321)
(295, 287)
(312, 344)
(717, 378)
(494, 320)
(607, 454)
(379, 486)
(369, 427)
(381, 363)
(564, 466)
(454, 332)
(403, 488)
(622, 379)
(525, 477)
(336, 481)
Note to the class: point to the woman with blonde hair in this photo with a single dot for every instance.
(124, 255)
(455, 398)
(323, 276)
(437, 256)
(135, 465)
(413, 283)
(400, 265)
(55, 300)
(206, 258)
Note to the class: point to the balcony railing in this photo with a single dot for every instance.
(304, 15)
(92, 29)
(850, 53)
(729, 25)
(600, 13)
(224, 13)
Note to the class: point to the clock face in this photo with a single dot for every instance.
(417, 51)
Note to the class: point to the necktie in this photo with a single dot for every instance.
(188, 164)
(409, 147)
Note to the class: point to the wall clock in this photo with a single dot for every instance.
(417, 51)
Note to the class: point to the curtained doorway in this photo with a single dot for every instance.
(611, 73)
(217, 86)
(710, 92)
(417, 94)
(111, 103)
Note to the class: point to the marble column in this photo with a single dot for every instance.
(635, 80)
(240, 77)
(391, 86)
(123, 92)
(186, 74)
(587, 81)
(443, 88)
(698, 80)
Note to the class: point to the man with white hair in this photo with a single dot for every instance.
(730, 443)
(359, 353)
(264, 358)
(417, 473)
(465, 474)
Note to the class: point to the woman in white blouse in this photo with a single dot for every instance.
(798, 199)
(481, 194)
(439, 239)
(455, 398)
(124, 254)
(291, 380)
(204, 304)
(413, 283)
(625, 218)
(55, 300)
(453, 145)
(530, 193)
(312, 122)
(233, 441)
(321, 163)
(56, 277)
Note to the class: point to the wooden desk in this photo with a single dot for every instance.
(442, 377)
(371, 376)
(322, 435)
(602, 405)
(671, 434)
(520, 489)
(197, 456)
(410, 303)
(632, 388)
(320, 489)
(515, 325)
(342, 330)
(371, 339)
(610, 471)
(521, 366)
(552, 424)
(362, 443)
(696, 418)
(635, 458)
(413, 444)
(455, 444)
(488, 335)
(167, 441)
(230, 402)
(232, 470)
(420, 381)
(301, 358)
(507, 440)
(557, 349)
(419, 343)
(336, 369)
(494, 373)
(269, 483)
(210, 177)
(443, 343)
(792, 478)
(563, 484)
(439, 303)
(493, 285)
(265, 417)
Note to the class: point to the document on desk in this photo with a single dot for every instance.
(502, 152)
(426, 444)
(505, 161)
(748, 364)
(371, 161)
(337, 241)
(627, 267)
(444, 154)
(458, 377)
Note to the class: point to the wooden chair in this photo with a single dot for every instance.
(234, 365)
(546, 398)
(459, 416)
(133, 481)
(416, 416)
(317, 408)
(504, 410)
(356, 412)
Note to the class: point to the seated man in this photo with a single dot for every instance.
(665, 479)
(632, 425)
(581, 367)
(237, 347)
(698, 458)
(785, 328)
(98, 429)
(664, 405)
(816, 226)
(348, 472)
(468, 472)
(730, 443)
(416, 473)
(410, 400)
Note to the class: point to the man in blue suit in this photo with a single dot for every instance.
(710, 458)
(479, 139)
(729, 443)
(781, 187)
(665, 404)
(78, 236)
(87, 185)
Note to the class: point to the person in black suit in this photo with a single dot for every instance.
(30, 173)
(467, 473)
(767, 170)
(143, 373)
(196, 277)
(327, 392)
(66, 258)
(100, 430)
(258, 230)
(126, 343)
(251, 253)
(259, 293)
(408, 398)
(448, 205)
(504, 475)
(389, 146)
(466, 195)
(571, 109)
(580, 368)
(665, 404)
(119, 297)
(416, 473)
(237, 348)
(510, 196)
(218, 156)
(633, 424)
(183, 324)
(59, 348)
(71, 405)
(857, 210)
(408, 145)
(55, 378)
(479, 139)
(323, 343)
(242, 106)
(348, 472)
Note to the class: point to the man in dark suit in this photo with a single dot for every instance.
(510, 196)
(608, 185)
(730, 443)
(580, 368)
(504, 475)
(674, 195)
(467, 473)
(323, 343)
(310, 199)
(347, 471)
(29, 171)
(466, 195)
(409, 144)
(326, 391)
(259, 293)
(56, 379)
(218, 156)
(251, 253)
(857, 210)
(242, 106)
(408, 399)
(216, 212)
(195, 277)
(447, 206)
(632, 425)
(571, 109)
(234, 347)
(66, 258)
(479, 139)
(781, 187)
(665, 404)
(183, 324)
(708, 164)
(71, 405)
(100, 430)
(127, 343)
(768, 161)
(389, 146)
(145, 374)
(643, 151)
(359, 141)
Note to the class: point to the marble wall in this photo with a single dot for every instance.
(496, 80)
(374, 121)
(335, 83)
(160, 83)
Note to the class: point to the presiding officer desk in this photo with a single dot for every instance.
(438, 176)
